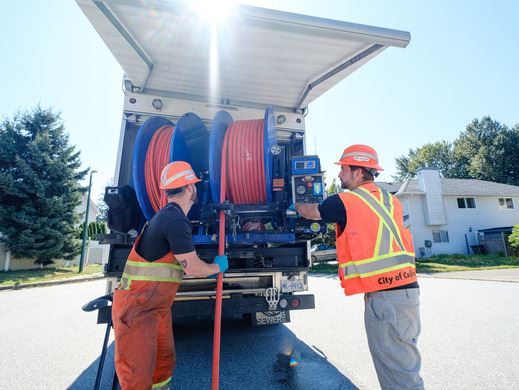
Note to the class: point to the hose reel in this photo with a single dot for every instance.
(247, 143)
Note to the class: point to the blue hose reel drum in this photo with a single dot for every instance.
(221, 123)
(188, 143)
(269, 140)
(142, 142)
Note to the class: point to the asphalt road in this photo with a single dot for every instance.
(469, 341)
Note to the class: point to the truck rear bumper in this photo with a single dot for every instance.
(238, 305)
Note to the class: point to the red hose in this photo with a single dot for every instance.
(219, 280)
(242, 182)
(157, 157)
(245, 169)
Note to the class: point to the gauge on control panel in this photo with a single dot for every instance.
(301, 190)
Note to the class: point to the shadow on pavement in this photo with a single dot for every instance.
(88, 377)
(270, 357)
(252, 358)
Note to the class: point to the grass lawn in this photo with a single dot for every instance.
(447, 263)
(47, 274)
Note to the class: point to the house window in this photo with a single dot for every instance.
(466, 203)
(440, 236)
(506, 203)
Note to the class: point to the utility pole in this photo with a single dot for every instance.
(85, 225)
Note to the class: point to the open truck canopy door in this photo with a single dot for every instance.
(253, 58)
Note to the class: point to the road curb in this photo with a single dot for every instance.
(465, 278)
(20, 286)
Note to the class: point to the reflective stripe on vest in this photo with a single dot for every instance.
(385, 217)
(162, 385)
(153, 272)
(383, 259)
(389, 262)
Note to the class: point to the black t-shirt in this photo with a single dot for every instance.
(169, 230)
(332, 210)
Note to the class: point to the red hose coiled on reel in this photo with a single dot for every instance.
(157, 157)
(245, 165)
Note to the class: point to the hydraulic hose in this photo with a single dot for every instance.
(242, 182)
(157, 157)
(244, 164)
(219, 279)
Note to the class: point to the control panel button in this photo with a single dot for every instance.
(301, 190)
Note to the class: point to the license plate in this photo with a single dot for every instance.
(292, 285)
(270, 318)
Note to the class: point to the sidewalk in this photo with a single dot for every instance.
(497, 275)
(75, 279)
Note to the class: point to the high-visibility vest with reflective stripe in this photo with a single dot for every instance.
(375, 252)
(138, 269)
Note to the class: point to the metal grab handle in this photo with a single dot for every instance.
(97, 304)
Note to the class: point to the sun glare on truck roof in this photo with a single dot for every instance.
(214, 11)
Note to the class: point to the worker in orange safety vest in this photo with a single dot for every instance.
(141, 311)
(376, 257)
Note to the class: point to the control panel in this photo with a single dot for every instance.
(305, 165)
(308, 188)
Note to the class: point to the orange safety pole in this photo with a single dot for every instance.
(219, 280)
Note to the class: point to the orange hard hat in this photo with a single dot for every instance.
(361, 156)
(177, 174)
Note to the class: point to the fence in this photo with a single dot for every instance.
(96, 254)
(496, 244)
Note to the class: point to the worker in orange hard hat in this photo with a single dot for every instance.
(161, 256)
(376, 257)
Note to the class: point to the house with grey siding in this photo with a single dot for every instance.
(449, 216)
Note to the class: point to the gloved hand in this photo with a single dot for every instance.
(291, 211)
(222, 263)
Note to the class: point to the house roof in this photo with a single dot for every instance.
(465, 187)
(392, 188)
(477, 187)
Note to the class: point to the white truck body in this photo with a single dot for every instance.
(175, 62)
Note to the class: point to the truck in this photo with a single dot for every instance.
(201, 76)
(322, 253)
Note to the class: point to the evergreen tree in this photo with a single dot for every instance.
(102, 208)
(39, 187)
(94, 228)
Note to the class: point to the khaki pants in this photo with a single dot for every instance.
(392, 320)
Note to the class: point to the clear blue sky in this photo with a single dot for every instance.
(462, 63)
